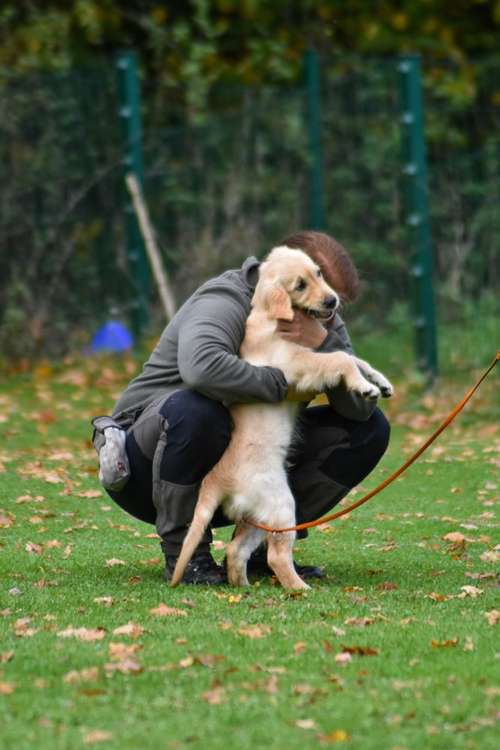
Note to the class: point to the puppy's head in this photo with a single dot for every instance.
(290, 279)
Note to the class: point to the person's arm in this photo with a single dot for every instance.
(347, 404)
(209, 342)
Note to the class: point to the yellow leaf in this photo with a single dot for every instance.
(337, 735)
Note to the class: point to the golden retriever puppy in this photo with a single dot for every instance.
(250, 479)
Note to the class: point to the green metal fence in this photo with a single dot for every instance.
(341, 150)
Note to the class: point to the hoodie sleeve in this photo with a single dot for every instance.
(209, 341)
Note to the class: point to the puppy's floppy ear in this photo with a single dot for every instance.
(278, 303)
(272, 297)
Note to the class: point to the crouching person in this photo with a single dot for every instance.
(171, 425)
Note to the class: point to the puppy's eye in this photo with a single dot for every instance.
(319, 274)
(301, 285)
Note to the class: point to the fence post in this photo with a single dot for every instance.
(416, 200)
(130, 118)
(313, 115)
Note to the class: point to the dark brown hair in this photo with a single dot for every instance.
(335, 262)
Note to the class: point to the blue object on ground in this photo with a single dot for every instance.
(113, 336)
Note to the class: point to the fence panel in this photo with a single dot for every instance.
(232, 179)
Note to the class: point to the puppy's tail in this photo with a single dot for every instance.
(209, 499)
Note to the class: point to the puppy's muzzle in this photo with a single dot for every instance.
(331, 302)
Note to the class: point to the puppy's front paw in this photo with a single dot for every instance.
(367, 390)
(386, 388)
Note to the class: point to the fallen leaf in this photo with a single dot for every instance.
(343, 658)
(97, 735)
(6, 688)
(6, 656)
(437, 597)
(338, 631)
(33, 549)
(208, 660)
(360, 650)
(114, 561)
(359, 622)
(88, 493)
(134, 580)
(215, 695)
(337, 735)
(471, 591)
(131, 629)
(493, 616)
(6, 519)
(53, 544)
(106, 601)
(255, 631)
(305, 724)
(90, 674)
(83, 634)
(456, 537)
(125, 666)
(122, 651)
(299, 647)
(271, 686)
(469, 644)
(387, 586)
(163, 611)
(302, 688)
(451, 642)
(491, 555)
(22, 629)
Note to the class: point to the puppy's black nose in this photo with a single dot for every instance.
(331, 302)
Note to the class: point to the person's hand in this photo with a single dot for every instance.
(303, 330)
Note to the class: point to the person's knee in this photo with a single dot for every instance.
(198, 421)
(379, 432)
(349, 463)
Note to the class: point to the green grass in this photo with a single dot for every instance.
(427, 681)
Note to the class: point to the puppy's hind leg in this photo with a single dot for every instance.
(245, 540)
(280, 545)
(210, 497)
(280, 560)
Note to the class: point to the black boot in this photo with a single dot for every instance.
(202, 568)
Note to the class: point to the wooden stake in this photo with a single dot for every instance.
(153, 253)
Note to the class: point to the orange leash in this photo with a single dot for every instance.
(451, 416)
